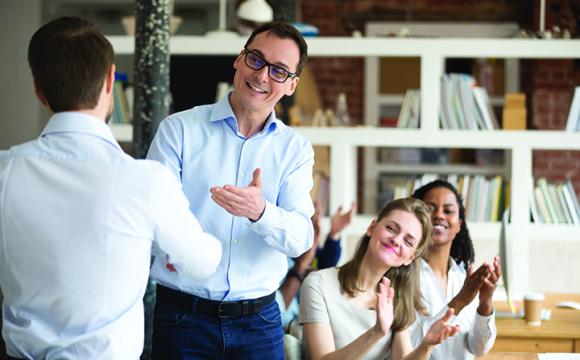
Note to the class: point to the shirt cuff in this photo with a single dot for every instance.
(266, 222)
(485, 324)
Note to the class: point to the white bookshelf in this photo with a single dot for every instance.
(343, 142)
(122, 132)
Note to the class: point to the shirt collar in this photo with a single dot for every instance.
(453, 267)
(222, 111)
(76, 122)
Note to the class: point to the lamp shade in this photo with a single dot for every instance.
(255, 10)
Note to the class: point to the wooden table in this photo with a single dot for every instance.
(509, 356)
(560, 334)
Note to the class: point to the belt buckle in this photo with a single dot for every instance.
(222, 314)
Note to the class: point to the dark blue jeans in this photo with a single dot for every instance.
(179, 335)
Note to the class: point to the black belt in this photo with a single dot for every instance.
(221, 309)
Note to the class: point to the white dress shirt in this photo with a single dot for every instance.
(476, 334)
(78, 218)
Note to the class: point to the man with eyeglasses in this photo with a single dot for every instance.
(248, 178)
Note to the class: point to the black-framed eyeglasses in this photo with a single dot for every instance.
(256, 62)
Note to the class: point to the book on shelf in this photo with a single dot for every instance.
(555, 203)
(571, 201)
(537, 217)
(485, 109)
(555, 199)
(514, 111)
(573, 123)
(464, 105)
(542, 183)
(544, 215)
(409, 114)
(467, 108)
(558, 189)
(484, 198)
(122, 101)
(498, 192)
(463, 187)
(472, 199)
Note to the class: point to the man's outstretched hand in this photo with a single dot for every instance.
(241, 201)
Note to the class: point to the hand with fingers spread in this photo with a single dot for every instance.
(241, 201)
(340, 220)
(441, 330)
(471, 286)
(488, 287)
(384, 307)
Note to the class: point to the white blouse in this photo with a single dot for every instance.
(476, 333)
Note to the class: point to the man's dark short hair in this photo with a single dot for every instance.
(283, 30)
(70, 60)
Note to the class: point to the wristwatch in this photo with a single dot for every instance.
(296, 274)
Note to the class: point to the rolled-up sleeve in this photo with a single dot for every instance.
(482, 334)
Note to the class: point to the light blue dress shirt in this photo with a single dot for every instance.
(78, 218)
(203, 148)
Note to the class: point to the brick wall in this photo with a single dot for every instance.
(550, 85)
(547, 83)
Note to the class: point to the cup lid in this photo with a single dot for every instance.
(533, 296)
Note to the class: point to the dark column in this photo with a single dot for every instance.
(284, 10)
(151, 76)
(151, 104)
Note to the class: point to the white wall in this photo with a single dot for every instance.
(21, 116)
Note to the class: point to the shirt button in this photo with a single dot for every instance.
(243, 174)
(235, 242)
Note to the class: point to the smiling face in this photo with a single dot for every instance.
(254, 90)
(395, 237)
(445, 215)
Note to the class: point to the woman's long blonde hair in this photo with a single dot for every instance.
(404, 279)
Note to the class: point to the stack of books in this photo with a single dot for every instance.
(465, 105)
(123, 101)
(553, 203)
(485, 198)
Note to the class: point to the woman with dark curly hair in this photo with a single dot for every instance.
(447, 279)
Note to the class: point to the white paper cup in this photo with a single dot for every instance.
(533, 308)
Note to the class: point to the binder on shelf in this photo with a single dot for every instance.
(573, 123)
